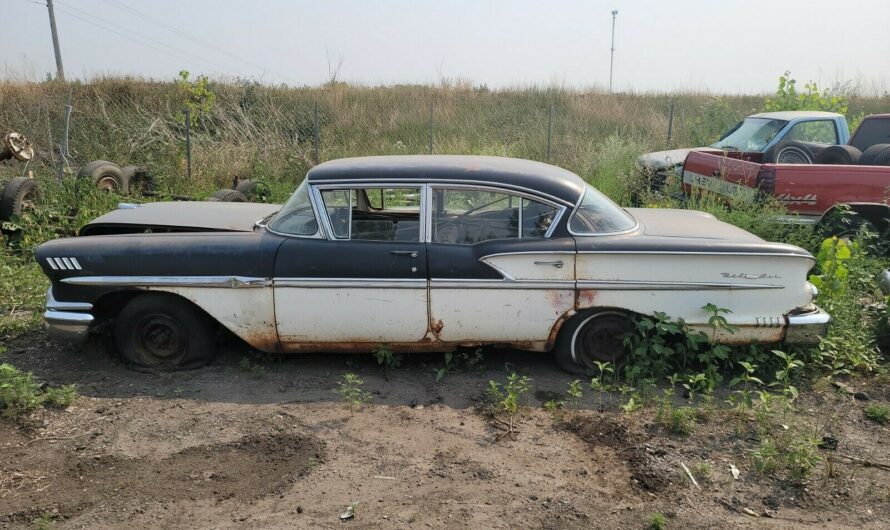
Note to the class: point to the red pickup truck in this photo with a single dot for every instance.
(856, 175)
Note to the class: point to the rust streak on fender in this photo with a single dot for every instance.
(554, 331)
(586, 298)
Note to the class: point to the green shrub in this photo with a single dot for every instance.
(20, 394)
(877, 413)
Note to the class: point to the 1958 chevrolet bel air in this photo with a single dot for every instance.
(421, 253)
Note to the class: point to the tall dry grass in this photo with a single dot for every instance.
(256, 131)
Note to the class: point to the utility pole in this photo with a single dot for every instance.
(60, 72)
(612, 57)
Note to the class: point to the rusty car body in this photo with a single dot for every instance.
(420, 253)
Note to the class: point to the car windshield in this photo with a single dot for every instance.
(297, 217)
(597, 214)
(751, 135)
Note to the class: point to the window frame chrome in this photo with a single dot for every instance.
(319, 231)
(561, 208)
(635, 226)
(353, 185)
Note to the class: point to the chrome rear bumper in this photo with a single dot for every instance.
(807, 328)
(67, 321)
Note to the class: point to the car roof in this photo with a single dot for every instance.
(788, 115)
(536, 177)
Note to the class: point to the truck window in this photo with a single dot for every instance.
(751, 135)
(871, 132)
(820, 132)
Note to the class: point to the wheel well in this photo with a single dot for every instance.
(875, 212)
(581, 314)
(109, 305)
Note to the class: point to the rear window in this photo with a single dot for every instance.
(871, 132)
(597, 214)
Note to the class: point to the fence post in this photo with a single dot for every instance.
(431, 128)
(549, 131)
(670, 124)
(315, 155)
(188, 143)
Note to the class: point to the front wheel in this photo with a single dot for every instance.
(159, 331)
(592, 337)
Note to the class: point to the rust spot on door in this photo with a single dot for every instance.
(436, 326)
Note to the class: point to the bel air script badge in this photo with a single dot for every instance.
(747, 276)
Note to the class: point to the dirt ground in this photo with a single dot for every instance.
(272, 446)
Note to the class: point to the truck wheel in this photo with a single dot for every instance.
(876, 155)
(839, 154)
(138, 179)
(160, 331)
(790, 152)
(846, 224)
(106, 175)
(590, 337)
(19, 195)
(228, 196)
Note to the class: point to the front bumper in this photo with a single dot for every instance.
(67, 321)
(807, 328)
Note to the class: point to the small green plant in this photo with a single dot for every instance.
(574, 392)
(790, 363)
(833, 255)
(555, 407)
(633, 404)
(702, 471)
(680, 420)
(877, 413)
(505, 400)
(801, 457)
(766, 456)
(59, 397)
(743, 397)
(657, 521)
(388, 359)
(599, 383)
(20, 393)
(253, 369)
(462, 360)
(44, 521)
(351, 392)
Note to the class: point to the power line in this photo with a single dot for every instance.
(137, 37)
(148, 18)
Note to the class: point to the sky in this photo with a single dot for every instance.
(719, 46)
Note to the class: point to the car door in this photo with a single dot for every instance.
(499, 273)
(365, 283)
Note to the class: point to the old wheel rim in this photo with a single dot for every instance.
(162, 339)
(600, 338)
(793, 155)
(107, 183)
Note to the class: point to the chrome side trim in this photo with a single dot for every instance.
(232, 282)
(696, 253)
(445, 283)
(358, 283)
(53, 304)
(654, 285)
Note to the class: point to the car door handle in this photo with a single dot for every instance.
(558, 264)
(409, 253)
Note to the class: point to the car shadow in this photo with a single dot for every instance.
(241, 375)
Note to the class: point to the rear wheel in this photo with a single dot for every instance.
(591, 337)
(163, 332)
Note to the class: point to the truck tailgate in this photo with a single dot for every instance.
(719, 174)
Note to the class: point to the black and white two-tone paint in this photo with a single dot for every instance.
(420, 253)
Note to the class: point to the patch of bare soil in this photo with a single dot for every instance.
(272, 446)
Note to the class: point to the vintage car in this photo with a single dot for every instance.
(418, 253)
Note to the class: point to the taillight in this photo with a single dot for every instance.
(766, 182)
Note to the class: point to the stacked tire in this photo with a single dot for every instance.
(244, 191)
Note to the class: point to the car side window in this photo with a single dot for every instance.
(820, 131)
(374, 214)
(464, 216)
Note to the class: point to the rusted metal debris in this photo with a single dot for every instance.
(15, 145)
